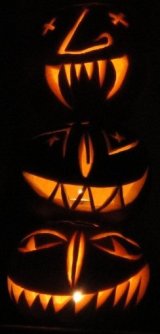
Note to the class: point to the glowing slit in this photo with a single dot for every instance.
(121, 67)
(89, 69)
(123, 148)
(80, 257)
(102, 64)
(68, 73)
(78, 70)
(70, 259)
(52, 77)
(144, 281)
(86, 155)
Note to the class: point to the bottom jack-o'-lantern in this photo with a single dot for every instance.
(86, 170)
(56, 273)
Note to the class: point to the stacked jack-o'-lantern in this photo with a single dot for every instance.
(87, 173)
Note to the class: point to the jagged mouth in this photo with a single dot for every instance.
(106, 75)
(133, 289)
(86, 198)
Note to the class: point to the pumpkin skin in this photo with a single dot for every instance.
(87, 65)
(84, 170)
(85, 270)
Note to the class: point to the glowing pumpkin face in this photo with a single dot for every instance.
(86, 54)
(82, 270)
(84, 169)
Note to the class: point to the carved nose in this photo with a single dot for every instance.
(105, 39)
(75, 256)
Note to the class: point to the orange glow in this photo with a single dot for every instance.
(74, 263)
(145, 277)
(48, 27)
(59, 302)
(132, 190)
(68, 73)
(43, 187)
(103, 296)
(102, 66)
(137, 284)
(121, 66)
(29, 247)
(89, 69)
(80, 257)
(118, 18)
(83, 302)
(71, 33)
(70, 259)
(78, 70)
(119, 292)
(86, 156)
(123, 148)
(52, 77)
(114, 234)
(80, 198)
(44, 300)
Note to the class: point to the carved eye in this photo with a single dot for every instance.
(117, 245)
(41, 239)
(49, 26)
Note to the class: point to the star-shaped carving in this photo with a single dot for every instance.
(119, 19)
(49, 26)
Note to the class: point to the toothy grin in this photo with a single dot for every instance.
(103, 70)
(133, 288)
(85, 198)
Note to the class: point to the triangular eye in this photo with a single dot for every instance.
(118, 245)
(40, 240)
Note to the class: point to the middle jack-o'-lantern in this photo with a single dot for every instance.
(87, 64)
(84, 170)
(84, 270)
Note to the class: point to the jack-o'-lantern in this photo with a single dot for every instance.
(54, 272)
(86, 52)
(83, 169)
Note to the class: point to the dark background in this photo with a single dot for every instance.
(20, 120)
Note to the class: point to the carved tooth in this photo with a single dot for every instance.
(89, 69)
(133, 285)
(102, 66)
(144, 280)
(52, 78)
(67, 68)
(60, 301)
(30, 296)
(44, 300)
(119, 292)
(78, 70)
(17, 291)
(121, 67)
(83, 302)
(103, 296)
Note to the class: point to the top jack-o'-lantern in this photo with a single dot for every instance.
(87, 55)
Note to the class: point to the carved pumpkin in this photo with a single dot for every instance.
(84, 169)
(86, 62)
(82, 270)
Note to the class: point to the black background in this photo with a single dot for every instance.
(20, 119)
